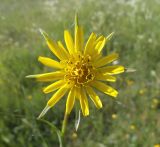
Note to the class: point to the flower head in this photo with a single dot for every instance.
(80, 68)
(157, 145)
(114, 116)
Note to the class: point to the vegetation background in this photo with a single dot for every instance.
(132, 121)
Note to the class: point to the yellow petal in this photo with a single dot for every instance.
(105, 77)
(70, 101)
(54, 47)
(57, 96)
(84, 103)
(115, 69)
(100, 38)
(76, 20)
(63, 48)
(100, 45)
(54, 86)
(49, 62)
(48, 76)
(77, 93)
(79, 40)
(105, 60)
(69, 41)
(94, 97)
(96, 56)
(90, 44)
(105, 88)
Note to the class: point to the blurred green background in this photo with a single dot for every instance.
(133, 121)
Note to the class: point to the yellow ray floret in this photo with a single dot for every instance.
(57, 96)
(79, 39)
(50, 62)
(100, 38)
(60, 45)
(105, 60)
(100, 45)
(53, 100)
(115, 69)
(69, 42)
(94, 97)
(54, 47)
(70, 101)
(105, 88)
(105, 77)
(54, 86)
(84, 102)
(90, 44)
(46, 77)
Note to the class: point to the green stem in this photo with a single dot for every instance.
(64, 124)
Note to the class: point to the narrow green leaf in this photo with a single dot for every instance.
(54, 129)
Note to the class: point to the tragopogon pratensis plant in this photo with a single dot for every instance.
(81, 68)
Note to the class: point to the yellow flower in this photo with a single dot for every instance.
(29, 97)
(132, 127)
(114, 116)
(155, 103)
(157, 145)
(142, 91)
(80, 68)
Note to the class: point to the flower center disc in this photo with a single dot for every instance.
(79, 70)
